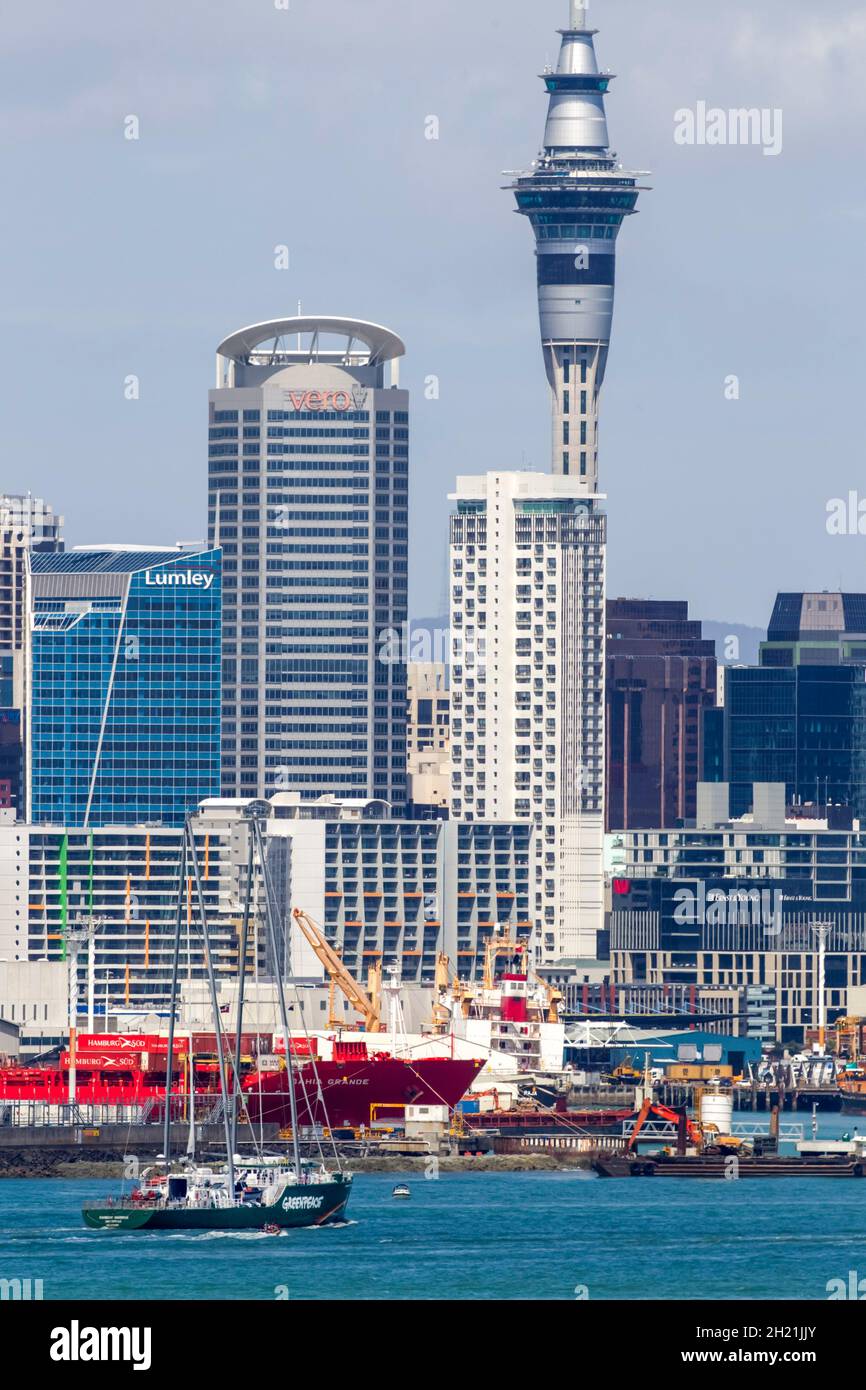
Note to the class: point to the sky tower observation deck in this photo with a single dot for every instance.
(576, 196)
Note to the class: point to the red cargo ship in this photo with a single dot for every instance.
(358, 1086)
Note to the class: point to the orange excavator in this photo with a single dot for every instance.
(706, 1140)
(686, 1128)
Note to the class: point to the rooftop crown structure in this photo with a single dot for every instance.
(576, 196)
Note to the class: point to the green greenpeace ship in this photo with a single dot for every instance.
(267, 1194)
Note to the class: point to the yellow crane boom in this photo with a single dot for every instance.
(338, 974)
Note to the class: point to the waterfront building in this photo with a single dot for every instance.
(742, 902)
(395, 891)
(527, 685)
(661, 678)
(308, 499)
(742, 1010)
(386, 891)
(576, 196)
(26, 523)
(123, 679)
(428, 740)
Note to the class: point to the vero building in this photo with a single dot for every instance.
(308, 464)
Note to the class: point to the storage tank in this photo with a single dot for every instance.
(717, 1108)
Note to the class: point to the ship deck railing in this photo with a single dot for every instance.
(43, 1114)
(160, 1204)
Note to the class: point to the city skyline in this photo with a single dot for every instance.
(667, 429)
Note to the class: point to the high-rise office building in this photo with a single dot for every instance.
(26, 523)
(816, 630)
(527, 686)
(804, 726)
(308, 498)
(661, 677)
(123, 683)
(576, 196)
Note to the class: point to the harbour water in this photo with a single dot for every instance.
(470, 1236)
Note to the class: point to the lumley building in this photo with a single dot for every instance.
(123, 684)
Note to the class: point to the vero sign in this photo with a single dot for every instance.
(328, 400)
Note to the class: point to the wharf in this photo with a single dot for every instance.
(762, 1096)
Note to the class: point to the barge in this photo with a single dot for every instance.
(720, 1166)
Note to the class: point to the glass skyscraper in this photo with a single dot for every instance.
(308, 495)
(804, 726)
(123, 684)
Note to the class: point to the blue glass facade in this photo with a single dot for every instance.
(804, 726)
(125, 657)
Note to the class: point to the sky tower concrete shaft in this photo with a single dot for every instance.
(576, 196)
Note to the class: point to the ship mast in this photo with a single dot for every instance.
(270, 923)
(175, 970)
(242, 974)
(211, 979)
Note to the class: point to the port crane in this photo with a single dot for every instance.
(362, 1002)
(465, 994)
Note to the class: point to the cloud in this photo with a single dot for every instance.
(815, 62)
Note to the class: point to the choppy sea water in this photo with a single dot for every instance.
(551, 1236)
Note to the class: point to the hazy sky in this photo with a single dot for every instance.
(261, 126)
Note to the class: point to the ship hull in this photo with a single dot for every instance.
(356, 1093)
(318, 1204)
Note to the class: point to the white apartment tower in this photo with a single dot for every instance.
(527, 685)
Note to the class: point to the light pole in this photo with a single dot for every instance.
(822, 931)
(85, 931)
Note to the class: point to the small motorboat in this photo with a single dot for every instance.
(401, 1190)
(270, 1230)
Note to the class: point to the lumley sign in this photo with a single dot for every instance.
(180, 579)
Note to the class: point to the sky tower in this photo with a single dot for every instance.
(576, 195)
